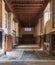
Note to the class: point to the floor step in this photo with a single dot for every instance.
(27, 47)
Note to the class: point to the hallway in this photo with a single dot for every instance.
(27, 32)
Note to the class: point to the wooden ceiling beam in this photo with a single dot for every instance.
(8, 7)
(31, 9)
(27, 2)
(43, 7)
(26, 12)
(17, 10)
(26, 5)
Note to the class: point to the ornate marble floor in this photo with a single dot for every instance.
(26, 55)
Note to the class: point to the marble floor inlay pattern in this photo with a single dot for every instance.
(26, 55)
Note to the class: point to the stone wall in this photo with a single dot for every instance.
(0, 13)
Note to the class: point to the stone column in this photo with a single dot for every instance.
(3, 22)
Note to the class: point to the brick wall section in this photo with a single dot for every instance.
(0, 13)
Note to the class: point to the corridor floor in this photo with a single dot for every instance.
(27, 63)
(26, 55)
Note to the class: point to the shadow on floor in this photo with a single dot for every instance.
(29, 55)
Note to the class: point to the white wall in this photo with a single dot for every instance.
(17, 29)
(49, 24)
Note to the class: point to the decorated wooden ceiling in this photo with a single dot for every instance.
(27, 11)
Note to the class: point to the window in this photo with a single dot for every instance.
(47, 14)
(27, 29)
(46, 17)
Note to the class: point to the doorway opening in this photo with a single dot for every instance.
(0, 40)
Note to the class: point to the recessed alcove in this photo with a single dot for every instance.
(0, 40)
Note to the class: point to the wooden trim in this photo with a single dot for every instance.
(8, 7)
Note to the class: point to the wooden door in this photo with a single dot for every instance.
(9, 43)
